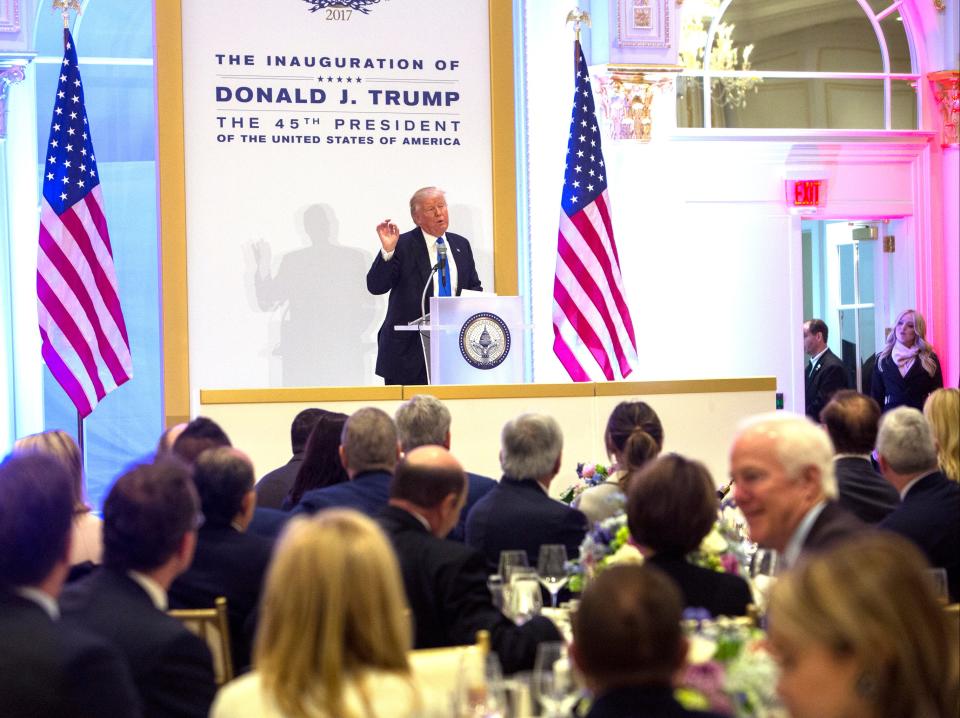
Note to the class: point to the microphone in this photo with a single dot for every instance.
(442, 261)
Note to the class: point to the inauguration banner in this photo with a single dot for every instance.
(305, 126)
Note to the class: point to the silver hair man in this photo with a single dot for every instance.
(530, 447)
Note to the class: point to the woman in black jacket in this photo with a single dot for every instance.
(907, 370)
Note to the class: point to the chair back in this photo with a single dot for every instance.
(445, 670)
(211, 625)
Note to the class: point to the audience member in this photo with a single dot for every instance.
(634, 436)
(825, 374)
(334, 635)
(424, 420)
(782, 470)
(274, 486)
(851, 421)
(942, 411)
(86, 540)
(228, 561)
(321, 466)
(671, 506)
(149, 533)
(445, 581)
(929, 512)
(518, 513)
(858, 632)
(167, 438)
(628, 644)
(907, 370)
(369, 451)
(48, 668)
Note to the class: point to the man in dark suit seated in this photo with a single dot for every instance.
(825, 373)
(48, 668)
(628, 644)
(445, 581)
(150, 521)
(518, 514)
(782, 470)
(929, 513)
(403, 268)
(424, 420)
(228, 561)
(369, 451)
(274, 486)
(851, 420)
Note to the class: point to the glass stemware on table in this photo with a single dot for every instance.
(552, 569)
(553, 683)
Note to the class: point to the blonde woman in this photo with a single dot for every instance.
(942, 410)
(333, 635)
(858, 633)
(86, 539)
(907, 370)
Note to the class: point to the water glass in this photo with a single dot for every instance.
(938, 580)
(554, 685)
(523, 597)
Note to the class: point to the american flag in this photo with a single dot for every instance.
(84, 338)
(592, 329)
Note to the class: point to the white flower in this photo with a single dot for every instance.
(713, 542)
(625, 554)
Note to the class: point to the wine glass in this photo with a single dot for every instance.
(523, 598)
(764, 567)
(509, 559)
(938, 580)
(554, 686)
(552, 569)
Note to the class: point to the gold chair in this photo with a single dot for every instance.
(211, 625)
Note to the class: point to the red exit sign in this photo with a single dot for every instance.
(806, 193)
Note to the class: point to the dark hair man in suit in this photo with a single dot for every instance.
(424, 420)
(930, 502)
(228, 561)
(445, 581)
(628, 643)
(825, 373)
(273, 488)
(150, 520)
(47, 668)
(851, 420)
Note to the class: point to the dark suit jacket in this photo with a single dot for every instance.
(518, 515)
(891, 390)
(267, 523)
(862, 491)
(171, 667)
(368, 493)
(446, 585)
(50, 668)
(477, 488)
(828, 376)
(722, 594)
(400, 357)
(642, 702)
(231, 564)
(273, 488)
(930, 517)
(832, 525)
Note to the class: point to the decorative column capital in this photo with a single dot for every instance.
(8, 75)
(627, 94)
(946, 90)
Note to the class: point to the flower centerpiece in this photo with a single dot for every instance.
(606, 544)
(587, 475)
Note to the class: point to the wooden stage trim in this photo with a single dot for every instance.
(295, 395)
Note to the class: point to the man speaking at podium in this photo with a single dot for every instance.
(403, 267)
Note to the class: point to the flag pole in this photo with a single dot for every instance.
(65, 6)
(577, 17)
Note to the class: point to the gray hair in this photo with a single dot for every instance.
(421, 194)
(369, 440)
(906, 442)
(421, 421)
(798, 443)
(530, 446)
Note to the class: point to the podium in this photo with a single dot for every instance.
(472, 340)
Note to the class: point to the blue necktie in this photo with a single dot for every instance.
(443, 280)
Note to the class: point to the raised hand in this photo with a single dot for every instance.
(389, 235)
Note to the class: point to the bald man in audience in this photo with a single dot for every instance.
(445, 581)
(48, 667)
(518, 513)
(150, 520)
(229, 561)
(929, 512)
(783, 481)
(424, 420)
(851, 419)
(628, 644)
(369, 451)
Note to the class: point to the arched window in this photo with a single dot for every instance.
(805, 64)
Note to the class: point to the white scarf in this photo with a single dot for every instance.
(904, 356)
